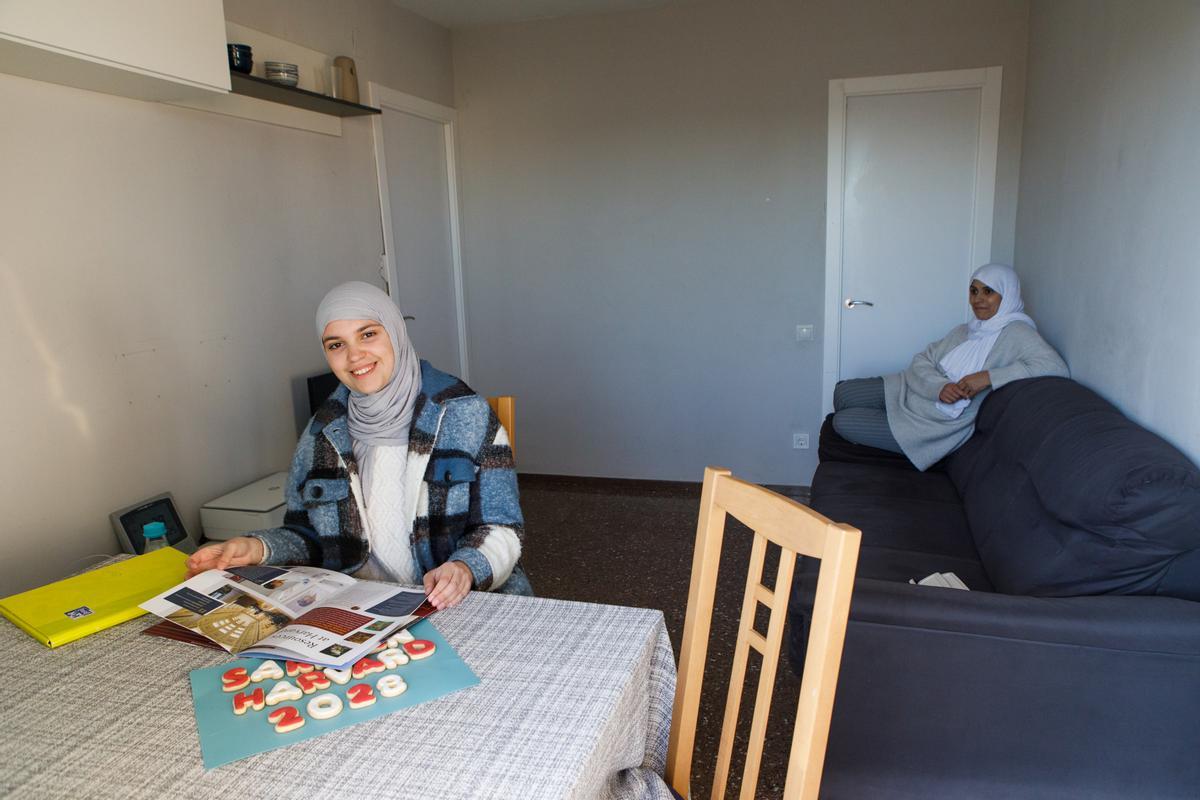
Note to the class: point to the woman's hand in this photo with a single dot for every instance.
(448, 584)
(975, 383)
(237, 552)
(951, 393)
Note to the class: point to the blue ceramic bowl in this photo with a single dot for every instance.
(240, 57)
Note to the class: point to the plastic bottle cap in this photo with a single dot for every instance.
(154, 530)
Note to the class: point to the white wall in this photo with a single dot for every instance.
(159, 270)
(644, 222)
(644, 217)
(1108, 241)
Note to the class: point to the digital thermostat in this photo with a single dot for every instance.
(127, 524)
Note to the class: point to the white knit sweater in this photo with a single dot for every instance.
(389, 521)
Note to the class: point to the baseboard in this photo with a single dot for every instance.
(634, 486)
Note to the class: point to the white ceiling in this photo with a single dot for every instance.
(471, 13)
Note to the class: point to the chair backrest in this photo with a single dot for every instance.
(797, 530)
(504, 407)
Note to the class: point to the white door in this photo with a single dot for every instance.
(414, 156)
(912, 166)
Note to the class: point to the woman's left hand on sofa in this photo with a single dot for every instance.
(975, 383)
(951, 393)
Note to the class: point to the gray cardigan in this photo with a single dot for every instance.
(924, 432)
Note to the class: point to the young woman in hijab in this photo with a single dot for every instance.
(928, 411)
(403, 474)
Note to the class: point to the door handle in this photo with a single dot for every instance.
(852, 303)
(409, 316)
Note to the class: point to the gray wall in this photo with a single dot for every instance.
(159, 269)
(644, 218)
(1107, 234)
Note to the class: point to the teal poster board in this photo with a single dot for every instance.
(226, 736)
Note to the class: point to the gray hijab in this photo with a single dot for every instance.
(382, 418)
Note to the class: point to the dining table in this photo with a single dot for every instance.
(573, 701)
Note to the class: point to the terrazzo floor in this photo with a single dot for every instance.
(630, 543)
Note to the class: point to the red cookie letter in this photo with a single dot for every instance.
(365, 666)
(285, 719)
(235, 680)
(245, 700)
(419, 648)
(309, 682)
(360, 695)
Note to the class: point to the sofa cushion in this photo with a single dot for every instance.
(1066, 496)
(912, 523)
(947, 694)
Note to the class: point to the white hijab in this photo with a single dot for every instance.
(970, 356)
(382, 418)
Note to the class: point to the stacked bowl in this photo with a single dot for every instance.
(281, 72)
(240, 57)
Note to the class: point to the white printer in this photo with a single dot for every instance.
(250, 508)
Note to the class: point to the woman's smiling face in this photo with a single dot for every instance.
(359, 352)
(984, 300)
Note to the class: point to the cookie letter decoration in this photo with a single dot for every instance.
(309, 682)
(419, 648)
(282, 692)
(235, 680)
(245, 700)
(400, 638)
(365, 666)
(360, 695)
(324, 706)
(295, 668)
(267, 670)
(339, 676)
(286, 719)
(393, 658)
(391, 685)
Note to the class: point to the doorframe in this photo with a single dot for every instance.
(988, 81)
(384, 98)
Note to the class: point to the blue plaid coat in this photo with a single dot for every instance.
(468, 478)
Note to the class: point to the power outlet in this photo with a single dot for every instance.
(799, 441)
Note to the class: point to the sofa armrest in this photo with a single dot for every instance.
(832, 447)
(1134, 623)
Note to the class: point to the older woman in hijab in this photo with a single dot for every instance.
(928, 411)
(404, 474)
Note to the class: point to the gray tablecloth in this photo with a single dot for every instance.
(574, 702)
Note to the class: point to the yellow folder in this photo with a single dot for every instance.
(75, 607)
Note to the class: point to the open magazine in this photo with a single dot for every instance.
(297, 613)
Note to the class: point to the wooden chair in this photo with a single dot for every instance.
(504, 407)
(797, 530)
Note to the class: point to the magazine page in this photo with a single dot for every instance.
(239, 606)
(347, 627)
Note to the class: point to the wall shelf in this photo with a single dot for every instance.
(306, 107)
(263, 89)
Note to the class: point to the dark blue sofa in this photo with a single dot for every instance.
(1072, 667)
